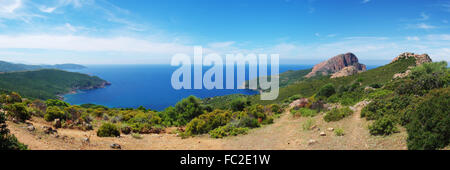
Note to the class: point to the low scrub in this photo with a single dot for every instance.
(303, 112)
(383, 126)
(108, 130)
(228, 130)
(337, 114)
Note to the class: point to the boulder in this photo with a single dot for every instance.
(312, 142)
(31, 128)
(401, 75)
(300, 103)
(57, 123)
(336, 64)
(346, 71)
(323, 134)
(115, 146)
(330, 129)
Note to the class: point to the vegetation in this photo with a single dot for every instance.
(10, 67)
(339, 132)
(18, 111)
(303, 112)
(308, 124)
(108, 130)
(337, 114)
(8, 141)
(46, 84)
(383, 126)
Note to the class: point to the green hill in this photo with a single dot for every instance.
(47, 83)
(11, 67)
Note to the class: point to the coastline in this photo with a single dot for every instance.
(76, 89)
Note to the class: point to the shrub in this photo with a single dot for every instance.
(337, 114)
(74, 112)
(136, 135)
(276, 109)
(55, 102)
(7, 140)
(339, 132)
(308, 124)
(430, 122)
(19, 111)
(227, 130)
(108, 130)
(239, 104)
(187, 109)
(384, 126)
(125, 129)
(54, 112)
(326, 91)
(247, 121)
(304, 112)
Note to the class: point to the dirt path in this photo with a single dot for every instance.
(285, 133)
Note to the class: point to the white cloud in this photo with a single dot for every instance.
(424, 26)
(47, 9)
(9, 6)
(221, 44)
(413, 38)
(424, 16)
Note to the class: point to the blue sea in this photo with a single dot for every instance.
(146, 85)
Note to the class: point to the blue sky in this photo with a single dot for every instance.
(152, 31)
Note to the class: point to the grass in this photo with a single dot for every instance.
(136, 136)
(339, 132)
(308, 124)
(303, 112)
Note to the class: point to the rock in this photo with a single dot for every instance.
(49, 130)
(346, 71)
(57, 123)
(85, 140)
(115, 146)
(401, 75)
(323, 134)
(31, 128)
(336, 64)
(368, 89)
(14, 120)
(420, 59)
(313, 127)
(312, 142)
(87, 126)
(330, 129)
(300, 103)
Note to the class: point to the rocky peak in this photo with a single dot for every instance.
(336, 64)
(420, 59)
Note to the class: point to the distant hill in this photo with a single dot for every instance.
(11, 67)
(47, 83)
(336, 64)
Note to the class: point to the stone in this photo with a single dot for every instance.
(31, 128)
(402, 75)
(57, 123)
(336, 64)
(323, 134)
(330, 129)
(300, 103)
(346, 71)
(115, 146)
(85, 140)
(312, 142)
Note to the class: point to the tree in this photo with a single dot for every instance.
(54, 112)
(326, 90)
(187, 109)
(239, 104)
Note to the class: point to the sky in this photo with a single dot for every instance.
(152, 31)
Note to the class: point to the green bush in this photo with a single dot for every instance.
(7, 140)
(125, 129)
(55, 102)
(337, 114)
(227, 130)
(430, 122)
(339, 132)
(54, 112)
(239, 104)
(187, 109)
(303, 112)
(276, 109)
(326, 90)
(207, 122)
(18, 111)
(384, 126)
(108, 130)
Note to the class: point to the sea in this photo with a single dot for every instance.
(148, 86)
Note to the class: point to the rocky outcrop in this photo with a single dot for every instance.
(346, 71)
(420, 59)
(402, 75)
(336, 64)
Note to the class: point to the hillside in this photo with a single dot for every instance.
(47, 83)
(11, 67)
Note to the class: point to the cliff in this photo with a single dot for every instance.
(336, 64)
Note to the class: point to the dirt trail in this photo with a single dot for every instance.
(285, 133)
